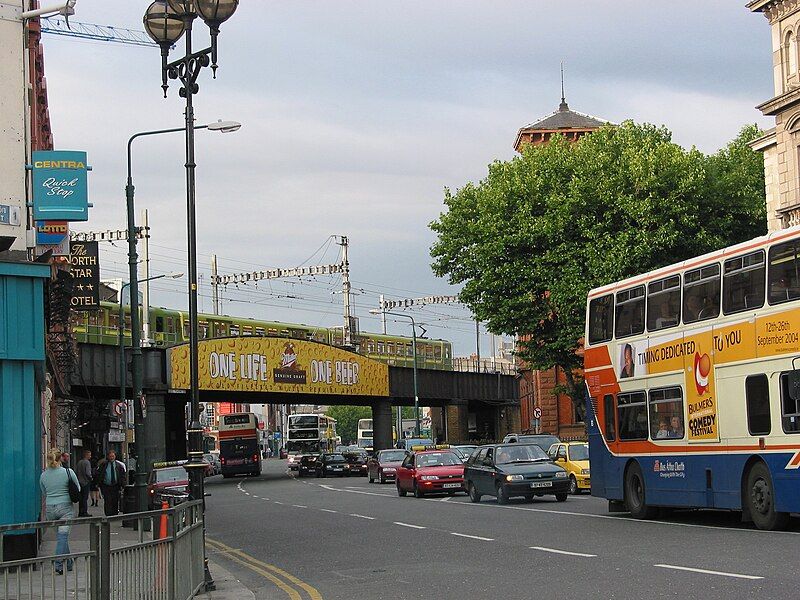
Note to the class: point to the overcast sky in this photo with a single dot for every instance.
(357, 114)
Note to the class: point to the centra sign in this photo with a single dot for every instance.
(60, 190)
(263, 364)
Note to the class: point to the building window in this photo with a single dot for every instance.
(756, 391)
(791, 54)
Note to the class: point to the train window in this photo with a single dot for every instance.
(437, 352)
(743, 283)
(701, 294)
(284, 333)
(428, 351)
(380, 347)
(370, 347)
(666, 413)
(127, 321)
(601, 319)
(608, 410)
(273, 331)
(790, 408)
(756, 391)
(629, 317)
(447, 351)
(410, 350)
(389, 347)
(632, 416)
(784, 272)
(202, 328)
(159, 323)
(247, 330)
(664, 303)
(220, 329)
(260, 331)
(234, 329)
(170, 325)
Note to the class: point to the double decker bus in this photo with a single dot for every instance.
(239, 453)
(364, 434)
(694, 400)
(309, 434)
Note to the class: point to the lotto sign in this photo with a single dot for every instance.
(60, 191)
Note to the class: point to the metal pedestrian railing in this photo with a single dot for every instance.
(160, 559)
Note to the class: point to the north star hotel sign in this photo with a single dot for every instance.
(60, 190)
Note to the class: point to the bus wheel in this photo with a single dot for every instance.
(635, 498)
(760, 499)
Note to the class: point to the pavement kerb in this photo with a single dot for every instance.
(228, 587)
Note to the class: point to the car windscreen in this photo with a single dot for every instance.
(392, 456)
(171, 474)
(356, 457)
(335, 458)
(437, 459)
(514, 453)
(579, 452)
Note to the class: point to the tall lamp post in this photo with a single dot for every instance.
(133, 271)
(165, 22)
(121, 328)
(414, 354)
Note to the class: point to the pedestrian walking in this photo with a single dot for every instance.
(54, 482)
(111, 478)
(84, 468)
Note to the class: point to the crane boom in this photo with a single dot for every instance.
(91, 31)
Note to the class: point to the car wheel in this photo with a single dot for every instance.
(400, 492)
(573, 485)
(561, 497)
(760, 499)
(418, 493)
(502, 494)
(529, 497)
(635, 495)
(474, 496)
(225, 475)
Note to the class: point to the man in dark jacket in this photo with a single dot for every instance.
(111, 478)
(84, 472)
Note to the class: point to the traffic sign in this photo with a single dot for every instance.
(277, 435)
(537, 412)
(120, 407)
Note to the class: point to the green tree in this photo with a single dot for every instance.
(529, 241)
(347, 420)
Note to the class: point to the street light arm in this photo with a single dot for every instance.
(154, 132)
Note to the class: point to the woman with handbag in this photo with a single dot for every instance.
(61, 489)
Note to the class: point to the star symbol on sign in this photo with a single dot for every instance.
(80, 287)
(90, 287)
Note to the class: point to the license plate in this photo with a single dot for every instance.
(541, 484)
(236, 461)
(452, 485)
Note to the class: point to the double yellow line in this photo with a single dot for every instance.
(287, 582)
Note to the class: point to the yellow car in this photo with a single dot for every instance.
(574, 457)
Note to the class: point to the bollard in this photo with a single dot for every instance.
(162, 525)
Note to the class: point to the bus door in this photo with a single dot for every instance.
(606, 476)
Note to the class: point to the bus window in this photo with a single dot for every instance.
(608, 409)
(666, 413)
(629, 316)
(790, 408)
(756, 391)
(664, 303)
(632, 416)
(701, 294)
(743, 285)
(601, 319)
(784, 272)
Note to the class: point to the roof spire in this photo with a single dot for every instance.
(563, 107)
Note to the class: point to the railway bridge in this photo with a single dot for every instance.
(267, 370)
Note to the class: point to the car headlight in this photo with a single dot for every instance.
(584, 471)
(429, 477)
(514, 477)
(561, 475)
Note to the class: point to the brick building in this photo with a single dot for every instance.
(540, 388)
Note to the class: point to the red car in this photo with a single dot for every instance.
(167, 480)
(430, 472)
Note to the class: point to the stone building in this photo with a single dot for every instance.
(781, 144)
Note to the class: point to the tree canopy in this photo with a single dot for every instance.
(529, 241)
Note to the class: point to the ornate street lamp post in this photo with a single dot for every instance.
(166, 22)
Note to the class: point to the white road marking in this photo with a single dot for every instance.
(556, 551)
(328, 510)
(254, 496)
(246, 493)
(472, 537)
(362, 517)
(276, 502)
(333, 489)
(299, 506)
(445, 499)
(409, 525)
(707, 572)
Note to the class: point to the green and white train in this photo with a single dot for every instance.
(169, 327)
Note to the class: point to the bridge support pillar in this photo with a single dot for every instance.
(156, 437)
(382, 424)
(452, 422)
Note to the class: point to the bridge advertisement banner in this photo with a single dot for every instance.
(263, 364)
